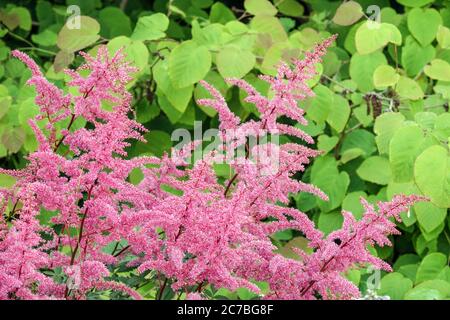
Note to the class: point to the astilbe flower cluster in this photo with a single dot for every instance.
(180, 221)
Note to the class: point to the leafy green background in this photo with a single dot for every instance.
(380, 113)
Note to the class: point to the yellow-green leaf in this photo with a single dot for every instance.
(409, 89)
(438, 69)
(348, 13)
(385, 76)
(72, 40)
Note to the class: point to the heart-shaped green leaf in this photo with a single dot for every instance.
(375, 169)
(188, 63)
(409, 89)
(232, 62)
(260, 7)
(414, 3)
(74, 39)
(326, 143)
(443, 37)
(415, 57)
(151, 27)
(438, 69)
(423, 24)
(362, 68)
(372, 36)
(385, 76)
(432, 175)
(429, 215)
(348, 13)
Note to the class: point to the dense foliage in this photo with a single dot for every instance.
(380, 114)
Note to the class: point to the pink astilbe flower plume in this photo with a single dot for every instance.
(85, 188)
(73, 208)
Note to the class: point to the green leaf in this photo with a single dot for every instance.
(27, 110)
(202, 3)
(404, 148)
(320, 105)
(339, 113)
(385, 76)
(13, 139)
(425, 119)
(326, 143)
(348, 13)
(443, 37)
(14, 68)
(24, 17)
(114, 22)
(171, 112)
(395, 285)
(330, 221)
(151, 27)
(434, 234)
(361, 139)
(179, 98)
(305, 38)
(46, 38)
(6, 181)
(331, 63)
(146, 111)
(440, 285)
(375, 169)
(442, 126)
(406, 259)
(290, 8)
(372, 36)
(188, 64)
(409, 271)
(232, 62)
(305, 201)
(409, 89)
(212, 36)
(432, 175)
(269, 25)
(429, 215)
(220, 13)
(350, 154)
(5, 104)
(438, 70)
(236, 28)
(325, 175)
(260, 7)
(72, 40)
(415, 57)
(245, 294)
(423, 24)
(362, 68)
(414, 3)
(430, 267)
(424, 294)
(385, 127)
(364, 118)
